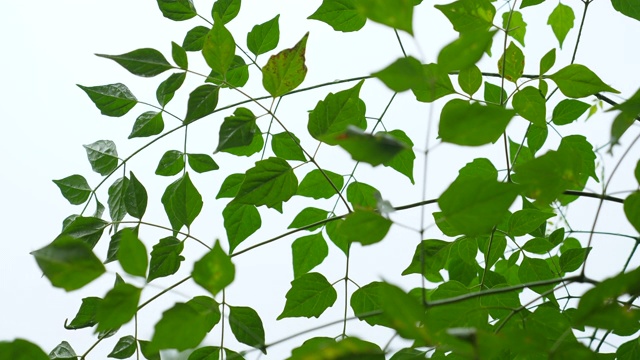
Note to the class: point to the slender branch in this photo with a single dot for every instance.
(164, 228)
(163, 292)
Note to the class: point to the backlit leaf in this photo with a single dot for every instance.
(171, 163)
(335, 113)
(328, 348)
(118, 307)
(226, 10)
(185, 325)
(165, 258)
(525, 221)
(364, 195)
(103, 156)
(20, 349)
(285, 70)
(470, 79)
(561, 21)
(572, 259)
(135, 198)
(394, 13)
(515, 24)
(264, 37)
(365, 227)
(236, 76)
(532, 270)
(269, 183)
(472, 124)
(403, 74)
(147, 124)
(182, 202)
(436, 84)
(316, 185)
(494, 94)
(465, 51)
(632, 209)
(307, 253)
(372, 149)
(219, 48)
(366, 300)
(240, 222)
(142, 62)
(469, 15)
(307, 217)
(403, 161)
(310, 295)
(256, 145)
(577, 81)
(74, 188)
(531, 105)
(547, 61)
(341, 15)
(287, 146)
(434, 254)
(86, 315)
(526, 3)
(132, 253)
(214, 271)
(568, 110)
(511, 63)
(177, 10)
(112, 100)
(194, 39)
(246, 326)
(202, 102)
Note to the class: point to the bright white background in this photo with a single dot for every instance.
(48, 47)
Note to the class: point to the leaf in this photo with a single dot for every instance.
(632, 209)
(403, 74)
(68, 263)
(403, 313)
(365, 227)
(269, 183)
(219, 48)
(236, 76)
(179, 56)
(526, 3)
(362, 195)
(202, 102)
(494, 94)
(214, 271)
(372, 149)
(307, 217)
(409, 354)
(525, 221)
(63, 351)
(517, 28)
(240, 222)
(436, 84)
(142, 62)
(230, 186)
(627, 7)
(285, 70)
(532, 270)
(403, 161)
(538, 246)
(185, 325)
(332, 229)
(472, 124)
(256, 145)
(264, 37)
(112, 100)
(20, 349)
(171, 163)
(226, 10)
(434, 254)
(341, 15)
(124, 348)
(511, 63)
(536, 136)
(182, 202)
(194, 39)
(74, 188)
(86, 316)
(629, 350)
(135, 197)
(87, 229)
(561, 21)
(201, 163)
(117, 193)
(577, 81)
(237, 130)
(177, 10)
(286, 145)
(307, 253)
(103, 156)
(393, 13)
(366, 300)
(333, 115)
(470, 79)
(147, 124)
(316, 185)
(165, 258)
(114, 245)
(531, 105)
(246, 326)
(469, 15)
(465, 51)
(328, 348)
(310, 295)
(572, 259)
(547, 61)
(132, 254)
(568, 110)
(118, 307)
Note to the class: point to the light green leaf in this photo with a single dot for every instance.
(532, 270)
(394, 13)
(68, 263)
(117, 193)
(124, 348)
(74, 188)
(310, 295)
(328, 348)
(403, 74)
(547, 61)
(230, 186)
(240, 222)
(469, 15)
(307, 253)
(147, 124)
(568, 110)
(494, 94)
(103, 156)
(316, 185)
(366, 300)
(335, 113)
(214, 271)
(362, 195)
(194, 39)
(403, 313)
(472, 124)
(525, 221)
(526, 3)
(538, 246)
(269, 183)
(202, 102)
(285, 70)
(531, 105)
(201, 163)
(335, 235)
(236, 77)
(436, 84)
(372, 149)
(118, 307)
(307, 217)
(264, 37)
(226, 10)
(246, 326)
(165, 258)
(20, 349)
(179, 56)
(112, 100)
(627, 7)
(365, 227)
(219, 48)
(465, 51)
(632, 209)
(561, 21)
(341, 15)
(132, 254)
(171, 163)
(470, 79)
(287, 146)
(536, 136)
(517, 28)
(185, 325)
(237, 130)
(578, 81)
(511, 63)
(177, 10)
(142, 62)
(403, 161)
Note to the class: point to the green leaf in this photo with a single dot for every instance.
(577, 81)
(403, 161)
(538, 246)
(177, 10)
(403, 74)
(74, 188)
(202, 102)
(525, 221)
(366, 300)
(264, 37)
(494, 94)
(226, 10)
(256, 145)
(393, 13)
(147, 124)
(547, 61)
(568, 110)
(165, 258)
(519, 153)
(117, 193)
(142, 62)
(532, 270)
(335, 113)
(469, 15)
(194, 39)
(341, 15)
(362, 195)
(526, 3)
(237, 130)
(307, 217)
(63, 351)
(631, 349)
(365, 227)
(179, 56)
(307, 253)
(103, 156)
(627, 7)
(437, 254)
(511, 63)
(372, 149)
(333, 232)
(465, 51)
(269, 183)
(240, 222)
(118, 307)
(112, 100)
(236, 76)
(68, 263)
(310, 295)
(182, 202)
(202, 163)
(561, 21)
(171, 163)
(328, 348)
(517, 28)
(114, 245)
(86, 316)
(287, 146)
(87, 229)
(402, 312)
(246, 326)
(132, 253)
(436, 84)
(472, 124)
(20, 349)
(230, 186)
(285, 70)
(409, 354)
(124, 348)
(631, 106)
(572, 259)
(632, 209)
(531, 105)
(219, 48)
(135, 198)
(470, 79)
(316, 185)
(185, 325)
(536, 136)
(214, 271)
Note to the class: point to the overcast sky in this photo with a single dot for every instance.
(48, 48)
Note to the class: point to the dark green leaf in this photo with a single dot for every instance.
(135, 198)
(63, 351)
(627, 7)
(341, 15)
(285, 70)
(201, 163)
(74, 188)
(230, 186)
(112, 100)
(372, 149)
(577, 81)
(206, 353)
(526, 3)
(335, 113)
(194, 39)
(561, 21)
(269, 183)
(165, 258)
(620, 125)
(532, 270)
(538, 246)
(465, 51)
(403, 161)
(316, 185)
(547, 61)
(631, 349)
(171, 163)
(404, 74)
(142, 62)
(362, 195)
(409, 354)
(494, 94)
(114, 244)
(147, 124)
(444, 226)
(125, 348)
(394, 13)
(572, 259)
(117, 193)
(436, 84)
(365, 301)
(88, 229)
(103, 156)
(182, 202)
(256, 145)
(240, 222)
(307, 217)
(365, 227)
(525, 221)
(132, 254)
(264, 37)
(185, 325)
(328, 348)
(516, 26)
(568, 110)
(246, 326)
(214, 271)
(237, 130)
(68, 263)
(511, 63)
(472, 124)
(202, 102)
(226, 10)
(287, 146)
(237, 75)
(20, 349)
(470, 79)
(469, 15)
(307, 253)
(632, 209)
(177, 10)
(536, 136)
(179, 56)
(118, 307)
(531, 105)
(335, 235)
(310, 295)
(86, 316)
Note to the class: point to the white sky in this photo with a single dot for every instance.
(48, 47)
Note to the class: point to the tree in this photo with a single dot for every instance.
(501, 271)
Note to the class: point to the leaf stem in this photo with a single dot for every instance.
(164, 228)
(163, 292)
